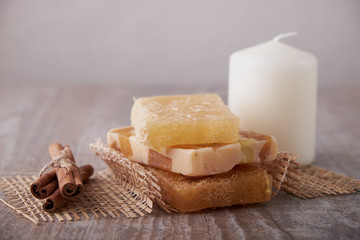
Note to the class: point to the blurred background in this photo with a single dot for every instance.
(165, 42)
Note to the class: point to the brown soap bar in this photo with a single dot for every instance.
(244, 184)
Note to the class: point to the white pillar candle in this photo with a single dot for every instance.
(273, 89)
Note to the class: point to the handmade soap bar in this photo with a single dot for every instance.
(165, 121)
(196, 160)
(190, 160)
(244, 184)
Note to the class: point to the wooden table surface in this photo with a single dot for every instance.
(31, 117)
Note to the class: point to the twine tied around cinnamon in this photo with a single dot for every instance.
(60, 161)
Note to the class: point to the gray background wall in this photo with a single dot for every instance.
(159, 42)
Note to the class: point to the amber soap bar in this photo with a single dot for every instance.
(165, 121)
(244, 184)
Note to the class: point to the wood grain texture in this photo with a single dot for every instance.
(31, 117)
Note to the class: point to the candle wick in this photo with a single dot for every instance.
(284, 35)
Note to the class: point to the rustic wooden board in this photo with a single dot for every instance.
(31, 117)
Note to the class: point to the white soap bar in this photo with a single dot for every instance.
(196, 160)
(193, 161)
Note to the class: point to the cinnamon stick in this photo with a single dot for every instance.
(69, 179)
(56, 200)
(45, 185)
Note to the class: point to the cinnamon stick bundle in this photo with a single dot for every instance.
(45, 185)
(69, 179)
(56, 200)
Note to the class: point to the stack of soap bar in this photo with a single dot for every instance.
(198, 137)
(165, 121)
(196, 160)
(244, 184)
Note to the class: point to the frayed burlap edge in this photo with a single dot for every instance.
(282, 170)
(308, 181)
(135, 175)
(312, 181)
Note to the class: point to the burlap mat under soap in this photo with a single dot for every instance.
(132, 192)
(103, 197)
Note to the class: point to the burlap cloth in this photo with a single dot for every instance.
(127, 189)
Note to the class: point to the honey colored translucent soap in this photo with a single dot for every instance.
(244, 184)
(165, 121)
